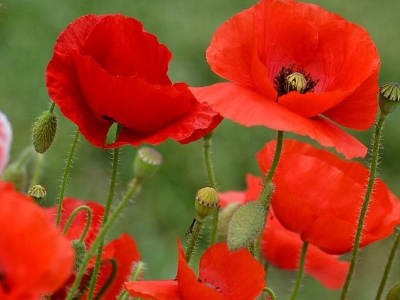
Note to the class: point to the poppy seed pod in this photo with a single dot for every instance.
(296, 82)
(147, 163)
(389, 97)
(44, 131)
(206, 200)
(37, 192)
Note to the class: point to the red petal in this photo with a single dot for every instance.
(35, 258)
(236, 275)
(282, 248)
(190, 288)
(5, 141)
(260, 111)
(156, 290)
(231, 197)
(126, 254)
(326, 214)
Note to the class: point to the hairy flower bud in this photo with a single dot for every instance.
(394, 293)
(147, 162)
(206, 200)
(389, 97)
(80, 252)
(17, 174)
(44, 131)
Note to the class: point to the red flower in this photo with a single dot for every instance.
(107, 69)
(223, 275)
(319, 196)
(122, 252)
(35, 258)
(258, 48)
(5, 141)
(282, 247)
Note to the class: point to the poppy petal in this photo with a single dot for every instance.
(156, 290)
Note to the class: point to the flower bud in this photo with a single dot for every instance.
(44, 131)
(37, 192)
(394, 293)
(389, 97)
(147, 162)
(80, 253)
(247, 222)
(296, 82)
(206, 200)
(17, 174)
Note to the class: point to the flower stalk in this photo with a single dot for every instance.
(300, 273)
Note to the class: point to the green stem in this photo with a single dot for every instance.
(267, 190)
(388, 265)
(135, 185)
(193, 238)
(52, 106)
(65, 176)
(207, 143)
(367, 198)
(110, 199)
(72, 217)
(300, 273)
(138, 270)
(37, 170)
(25, 156)
(270, 292)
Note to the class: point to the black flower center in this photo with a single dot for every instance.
(291, 79)
(3, 283)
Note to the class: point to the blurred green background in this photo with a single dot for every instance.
(164, 209)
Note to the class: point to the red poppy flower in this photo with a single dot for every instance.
(107, 69)
(260, 47)
(35, 258)
(223, 275)
(319, 196)
(121, 253)
(5, 141)
(282, 247)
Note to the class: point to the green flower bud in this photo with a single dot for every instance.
(80, 253)
(17, 174)
(296, 82)
(389, 97)
(394, 293)
(246, 224)
(206, 200)
(44, 131)
(147, 162)
(37, 192)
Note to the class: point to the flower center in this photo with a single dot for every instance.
(3, 283)
(289, 79)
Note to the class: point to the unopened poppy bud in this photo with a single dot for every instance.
(394, 293)
(147, 162)
(296, 82)
(247, 222)
(44, 131)
(206, 200)
(37, 192)
(389, 97)
(17, 174)
(80, 253)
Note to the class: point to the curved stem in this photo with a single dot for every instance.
(207, 143)
(388, 265)
(136, 183)
(110, 199)
(270, 292)
(367, 198)
(193, 238)
(300, 273)
(110, 279)
(65, 175)
(72, 217)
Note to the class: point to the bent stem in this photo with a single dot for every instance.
(300, 273)
(72, 217)
(364, 209)
(65, 175)
(110, 199)
(134, 187)
(388, 265)
(207, 143)
(270, 292)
